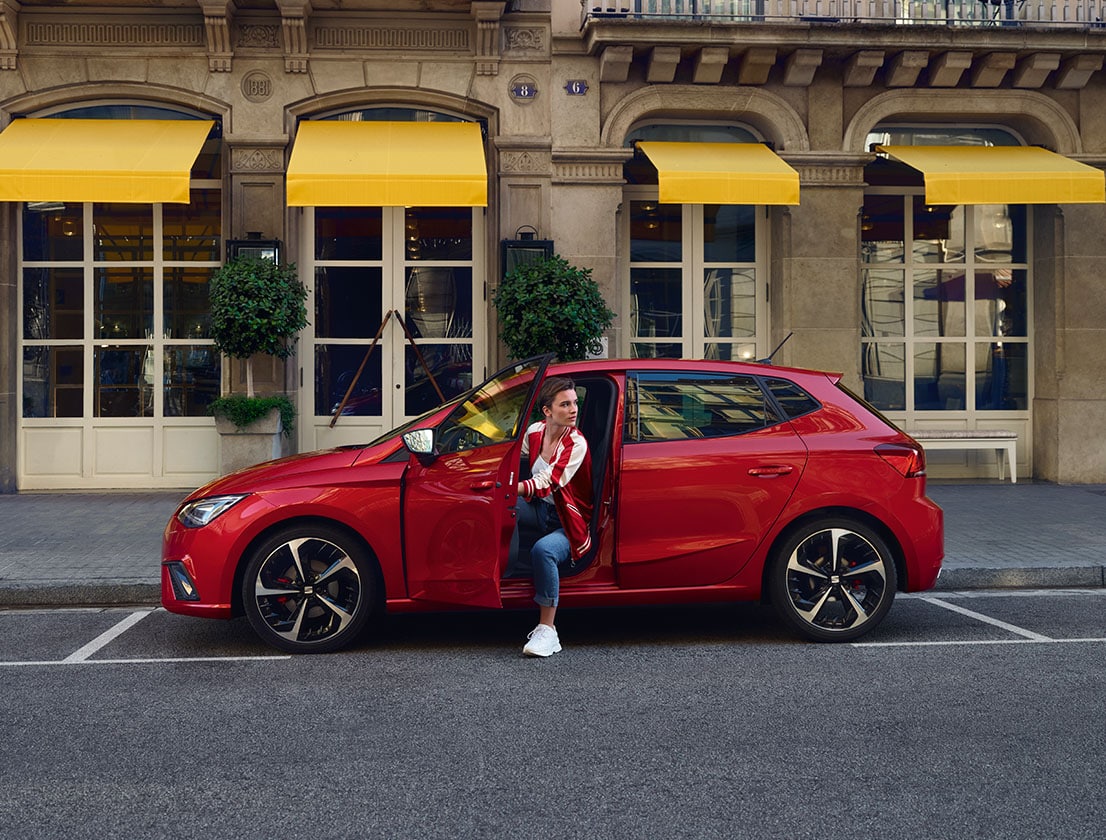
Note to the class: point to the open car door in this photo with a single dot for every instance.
(460, 491)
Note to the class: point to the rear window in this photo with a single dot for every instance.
(684, 406)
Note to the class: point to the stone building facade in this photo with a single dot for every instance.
(967, 310)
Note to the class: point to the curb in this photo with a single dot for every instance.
(142, 593)
(1083, 577)
(105, 594)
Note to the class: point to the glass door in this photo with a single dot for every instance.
(398, 322)
(697, 285)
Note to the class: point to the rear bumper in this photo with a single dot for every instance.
(924, 545)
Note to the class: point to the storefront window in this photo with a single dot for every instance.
(115, 297)
(944, 296)
(696, 278)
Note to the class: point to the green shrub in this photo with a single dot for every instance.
(550, 306)
(257, 306)
(242, 410)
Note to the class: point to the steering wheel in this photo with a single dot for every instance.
(460, 438)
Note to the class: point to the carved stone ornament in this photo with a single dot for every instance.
(258, 36)
(256, 159)
(524, 39)
(257, 86)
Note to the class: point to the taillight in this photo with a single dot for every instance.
(908, 460)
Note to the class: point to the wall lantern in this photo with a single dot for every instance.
(524, 248)
(254, 246)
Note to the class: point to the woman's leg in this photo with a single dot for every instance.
(547, 555)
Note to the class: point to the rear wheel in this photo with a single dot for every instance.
(833, 579)
(309, 589)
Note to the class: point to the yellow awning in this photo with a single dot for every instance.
(387, 164)
(130, 161)
(1001, 175)
(721, 173)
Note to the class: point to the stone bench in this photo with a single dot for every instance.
(1000, 440)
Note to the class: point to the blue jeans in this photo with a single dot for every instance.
(548, 553)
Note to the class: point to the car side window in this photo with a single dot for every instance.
(682, 406)
(794, 401)
(490, 414)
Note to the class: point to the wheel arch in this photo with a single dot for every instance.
(236, 605)
(855, 514)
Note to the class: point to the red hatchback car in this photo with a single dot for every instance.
(713, 481)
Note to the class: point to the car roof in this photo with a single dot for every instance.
(676, 365)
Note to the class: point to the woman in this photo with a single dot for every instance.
(557, 500)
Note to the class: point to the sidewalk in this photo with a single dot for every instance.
(105, 548)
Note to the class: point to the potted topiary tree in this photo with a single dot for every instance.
(257, 306)
(549, 306)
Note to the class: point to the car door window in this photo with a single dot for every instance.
(488, 415)
(681, 406)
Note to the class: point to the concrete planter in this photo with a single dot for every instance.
(243, 447)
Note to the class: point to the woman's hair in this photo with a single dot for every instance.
(551, 387)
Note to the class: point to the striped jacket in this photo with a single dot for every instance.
(568, 478)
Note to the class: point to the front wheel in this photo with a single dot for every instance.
(309, 589)
(833, 580)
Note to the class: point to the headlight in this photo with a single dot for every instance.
(202, 511)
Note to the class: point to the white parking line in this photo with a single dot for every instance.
(954, 642)
(986, 619)
(166, 660)
(107, 636)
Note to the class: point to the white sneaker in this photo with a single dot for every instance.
(543, 641)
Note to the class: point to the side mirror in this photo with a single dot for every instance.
(420, 443)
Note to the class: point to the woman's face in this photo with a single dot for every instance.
(564, 408)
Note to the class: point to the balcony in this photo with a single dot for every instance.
(1026, 44)
(967, 13)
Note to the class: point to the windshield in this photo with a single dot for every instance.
(410, 424)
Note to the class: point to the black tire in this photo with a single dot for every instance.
(310, 589)
(833, 580)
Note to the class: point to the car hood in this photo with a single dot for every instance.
(294, 470)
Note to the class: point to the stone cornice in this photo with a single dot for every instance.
(589, 165)
(829, 170)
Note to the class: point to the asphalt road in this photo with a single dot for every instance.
(961, 716)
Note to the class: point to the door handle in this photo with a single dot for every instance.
(480, 486)
(771, 471)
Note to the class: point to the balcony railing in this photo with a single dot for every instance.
(1037, 13)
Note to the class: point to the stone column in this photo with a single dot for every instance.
(814, 282)
(1069, 343)
(587, 200)
(10, 326)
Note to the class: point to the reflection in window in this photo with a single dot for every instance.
(337, 379)
(656, 233)
(347, 301)
(348, 233)
(662, 407)
(53, 303)
(437, 233)
(53, 231)
(124, 232)
(187, 303)
(450, 373)
(124, 377)
(191, 379)
(53, 381)
(124, 302)
(968, 286)
(657, 302)
(192, 231)
(439, 302)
